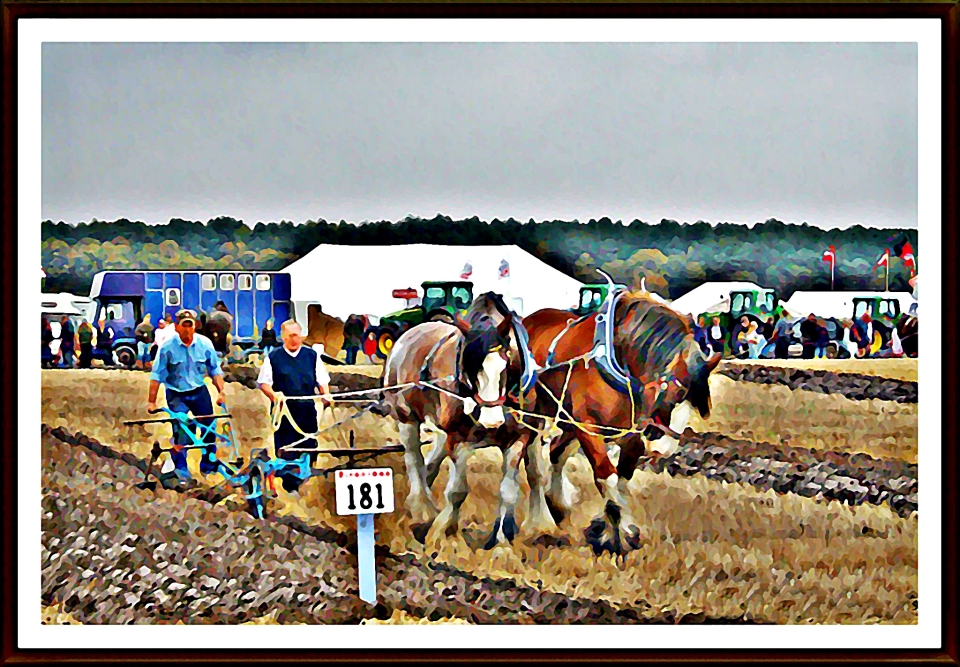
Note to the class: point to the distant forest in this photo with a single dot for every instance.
(673, 257)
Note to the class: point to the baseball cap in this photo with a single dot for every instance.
(185, 314)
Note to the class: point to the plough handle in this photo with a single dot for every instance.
(162, 420)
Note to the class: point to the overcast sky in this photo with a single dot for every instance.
(822, 133)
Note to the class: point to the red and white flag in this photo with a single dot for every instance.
(884, 259)
(908, 257)
(467, 271)
(504, 269)
(830, 256)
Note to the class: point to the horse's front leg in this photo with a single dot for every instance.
(418, 501)
(436, 456)
(607, 531)
(505, 528)
(561, 493)
(538, 519)
(448, 522)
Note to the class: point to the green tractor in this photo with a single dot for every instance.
(592, 296)
(442, 301)
(886, 311)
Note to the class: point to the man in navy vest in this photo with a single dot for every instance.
(294, 370)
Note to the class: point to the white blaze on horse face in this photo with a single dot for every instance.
(488, 381)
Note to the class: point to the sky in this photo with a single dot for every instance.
(802, 132)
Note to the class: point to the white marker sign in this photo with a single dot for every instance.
(364, 491)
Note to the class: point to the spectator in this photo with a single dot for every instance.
(715, 336)
(755, 340)
(105, 341)
(863, 334)
(144, 335)
(823, 340)
(218, 327)
(352, 337)
(85, 339)
(809, 335)
(767, 329)
(847, 344)
(164, 332)
(780, 338)
(738, 339)
(68, 342)
(700, 335)
(268, 339)
(46, 340)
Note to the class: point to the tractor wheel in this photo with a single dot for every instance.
(125, 356)
(441, 316)
(385, 340)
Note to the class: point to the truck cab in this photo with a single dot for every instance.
(592, 297)
(124, 297)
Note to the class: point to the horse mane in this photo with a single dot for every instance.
(648, 329)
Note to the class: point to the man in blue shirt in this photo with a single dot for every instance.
(180, 366)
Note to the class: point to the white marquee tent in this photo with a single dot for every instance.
(341, 279)
(710, 297)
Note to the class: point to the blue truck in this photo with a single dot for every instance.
(124, 297)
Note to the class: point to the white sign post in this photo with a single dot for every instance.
(365, 492)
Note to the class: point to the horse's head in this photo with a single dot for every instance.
(657, 346)
(484, 364)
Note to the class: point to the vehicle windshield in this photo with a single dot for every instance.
(737, 304)
(120, 311)
(433, 297)
(461, 297)
(586, 298)
(770, 301)
(861, 308)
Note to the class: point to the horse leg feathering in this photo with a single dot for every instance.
(419, 504)
(448, 522)
(505, 528)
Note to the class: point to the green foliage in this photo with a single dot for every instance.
(671, 257)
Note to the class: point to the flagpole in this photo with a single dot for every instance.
(886, 287)
(832, 263)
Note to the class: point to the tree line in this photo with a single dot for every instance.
(672, 257)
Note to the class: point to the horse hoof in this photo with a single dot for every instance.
(547, 541)
(420, 531)
(556, 512)
(492, 541)
(632, 542)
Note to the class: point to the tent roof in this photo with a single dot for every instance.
(346, 279)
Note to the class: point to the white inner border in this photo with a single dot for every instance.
(925, 32)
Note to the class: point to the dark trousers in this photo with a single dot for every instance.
(198, 402)
(305, 414)
(808, 350)
(86, 355)
(352, 355)
(782, 348)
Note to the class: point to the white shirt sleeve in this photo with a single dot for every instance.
(323, 377)
(266, 372)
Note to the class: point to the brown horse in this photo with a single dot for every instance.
(653, 347)
(462, 374)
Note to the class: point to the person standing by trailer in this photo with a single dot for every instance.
(180, 366)
(144, 336)
(218, 327)
(67, 343)
(85, 338)
(268, 339)
(294, 370)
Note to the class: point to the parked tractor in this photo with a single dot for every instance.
(755, 305)
(592, 297)
(442, 301)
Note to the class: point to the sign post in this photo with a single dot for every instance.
(365, 492)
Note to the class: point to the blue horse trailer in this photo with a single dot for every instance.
(252, 297)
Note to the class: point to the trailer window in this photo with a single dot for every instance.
(263, 283)
(115, 310)
(173, 297)
(246, 282)
(208, 282)
(226, 281)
